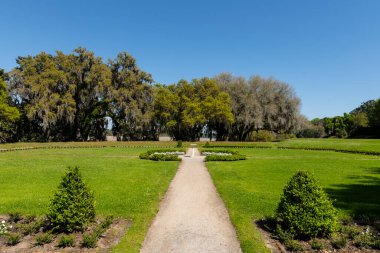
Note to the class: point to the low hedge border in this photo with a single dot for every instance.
(74, 147)
(360, 152)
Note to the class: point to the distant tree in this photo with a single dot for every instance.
(8, 114)
(375, 117)
(260, 104)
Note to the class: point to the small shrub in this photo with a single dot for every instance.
(89, 240)
(15, 217)
(305, 210)
(207, 144)
(44, 238)
(293, 245)
(282, 235)
(66, 241)
(179, 144)
(339, 241)
(73, 206)
(364, 240)
(30, 228)
(317, 244)
(30, 218)
(13, 239)
(376, 243)
(351, 232)
(107, 222)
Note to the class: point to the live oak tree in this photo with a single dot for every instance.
(130, 100)
(61, 96)
(260, 104)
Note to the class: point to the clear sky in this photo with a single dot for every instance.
(328, 50)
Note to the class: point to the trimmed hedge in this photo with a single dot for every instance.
(161, 155)
(234, 155)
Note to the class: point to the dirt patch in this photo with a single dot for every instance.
(107, 240)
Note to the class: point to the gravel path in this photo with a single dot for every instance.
(192, 216)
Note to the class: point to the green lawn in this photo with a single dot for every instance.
(251, 189)
(123, 185)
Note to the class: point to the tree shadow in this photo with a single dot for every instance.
(361, 198)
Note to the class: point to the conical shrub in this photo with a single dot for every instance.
(305, 210)
(73, 207)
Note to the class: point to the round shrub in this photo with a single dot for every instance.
(72, 207)
(305, 210)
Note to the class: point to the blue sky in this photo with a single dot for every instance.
(329, 51)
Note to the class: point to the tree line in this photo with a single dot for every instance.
(78, 96)
(362, 122)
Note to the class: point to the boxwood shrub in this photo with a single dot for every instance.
(305, 209)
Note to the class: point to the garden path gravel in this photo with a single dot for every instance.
(192, 217)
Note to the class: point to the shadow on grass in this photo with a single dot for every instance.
(361, 198)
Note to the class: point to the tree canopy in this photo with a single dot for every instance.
(79, 97)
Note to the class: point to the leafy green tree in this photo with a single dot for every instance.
(185, 110)
(8, 114)
(130, 99)
(72, 207)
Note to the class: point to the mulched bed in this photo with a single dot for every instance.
(107, 240)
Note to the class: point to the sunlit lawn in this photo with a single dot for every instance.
(123, 185)
(251, 189)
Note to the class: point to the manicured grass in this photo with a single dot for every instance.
(251, 189)
(123, 184)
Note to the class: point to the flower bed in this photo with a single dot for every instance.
(222, 155)
(163, 155)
